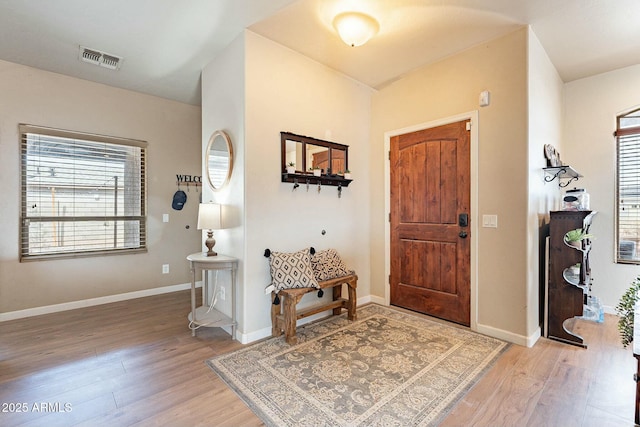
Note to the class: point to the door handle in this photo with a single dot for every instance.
(463, 234)
(463, 220)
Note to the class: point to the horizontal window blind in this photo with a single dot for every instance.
(628, 196)
(82, 194)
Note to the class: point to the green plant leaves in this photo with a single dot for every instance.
(626, 310)
(576, 235)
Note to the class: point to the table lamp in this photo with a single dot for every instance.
(210, 218)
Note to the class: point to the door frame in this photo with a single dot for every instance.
(473, 116)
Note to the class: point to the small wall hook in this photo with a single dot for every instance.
(319, 186)
(339, 191)
(295, 184)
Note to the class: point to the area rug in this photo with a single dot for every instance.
(387, 368)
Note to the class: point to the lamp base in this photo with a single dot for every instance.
(210, 243)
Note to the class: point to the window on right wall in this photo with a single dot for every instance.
(628, 188)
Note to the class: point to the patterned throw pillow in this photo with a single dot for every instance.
(292, 270)
(327, 264)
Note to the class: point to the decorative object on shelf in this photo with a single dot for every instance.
(291, 167)
(626, 310)
(311, 155)
(556, 169)
(575, 237)
(355, 28)
(347, 174)
(552, 156)
(575, 269)
(210, 218)
(575, 200)
(219, 160)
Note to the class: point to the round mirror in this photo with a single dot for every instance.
(219, 157)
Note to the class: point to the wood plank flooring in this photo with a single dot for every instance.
(136, 363)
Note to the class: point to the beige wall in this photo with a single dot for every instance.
(592, 105)
(545, 116)
(286, 91)
(449, 88)
(223, 108)
(282, 90)
(172, 129)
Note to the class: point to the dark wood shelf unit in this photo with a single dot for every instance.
(567, 292)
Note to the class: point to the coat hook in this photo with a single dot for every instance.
(319, 185)
(295, 184)
(307, 184)
(339, 191)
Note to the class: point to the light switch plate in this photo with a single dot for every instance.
(490, 221)
(165, 217)
(484, 98)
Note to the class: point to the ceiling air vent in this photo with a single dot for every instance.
(95, 57)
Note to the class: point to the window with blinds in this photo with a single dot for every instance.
(628, 188)
(81, 194)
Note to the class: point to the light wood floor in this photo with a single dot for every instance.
(135, 363)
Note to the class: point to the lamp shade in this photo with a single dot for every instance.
(355, 28)
(209, 216)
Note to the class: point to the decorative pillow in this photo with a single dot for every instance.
(327, 264)
(292, 270)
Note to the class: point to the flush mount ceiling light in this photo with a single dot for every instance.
(355, 28)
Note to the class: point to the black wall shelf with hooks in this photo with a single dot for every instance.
(565, 174)
(300, 178)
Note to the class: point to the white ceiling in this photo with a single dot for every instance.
(165, 43)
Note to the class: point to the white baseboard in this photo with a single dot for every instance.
(266, 332)
(482, 329)
(47, 309)
(509, 336)
(372, 298)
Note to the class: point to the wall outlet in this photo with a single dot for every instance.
(165, 268)
(222, 293)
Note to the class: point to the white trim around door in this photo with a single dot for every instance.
(473, 116)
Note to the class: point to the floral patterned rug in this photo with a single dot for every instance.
(387, 368)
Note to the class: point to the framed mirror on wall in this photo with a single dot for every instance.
(329, 160)
(219, 160)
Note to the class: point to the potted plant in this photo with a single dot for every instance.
(316, 171)
(291, 167)
(625, 310)
(575, 237)
(347, 174)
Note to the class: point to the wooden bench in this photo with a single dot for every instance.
(284, 316)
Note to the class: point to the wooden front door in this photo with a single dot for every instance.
(430, 203)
